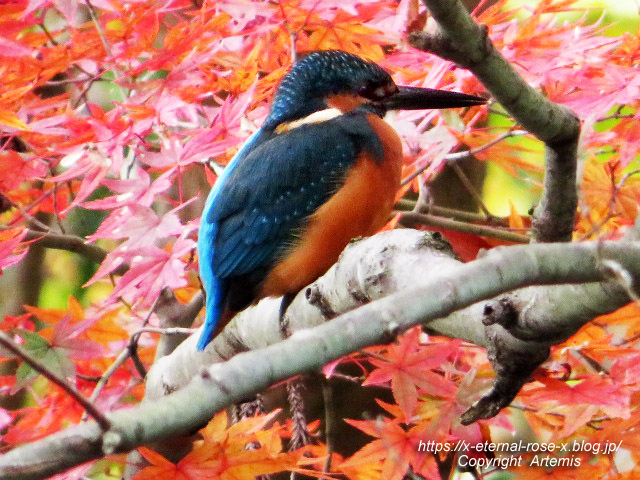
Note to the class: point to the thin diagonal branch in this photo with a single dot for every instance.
(456, 156)
(89, 407)
(470, 188)
(461, 40)
(96, 21)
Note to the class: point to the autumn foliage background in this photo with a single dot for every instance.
(111, 113)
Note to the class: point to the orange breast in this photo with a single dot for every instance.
(359, 208)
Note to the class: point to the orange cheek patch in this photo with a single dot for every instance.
(345, 102)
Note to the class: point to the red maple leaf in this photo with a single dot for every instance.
(409, 366)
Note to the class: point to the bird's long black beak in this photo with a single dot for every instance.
(415, 98)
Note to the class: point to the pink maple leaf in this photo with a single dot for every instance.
(148, 276)
(150, 270)
(202, 145)
(138, 190)
(90, 164)
(65, 337)
(140, 225)
(14, 49)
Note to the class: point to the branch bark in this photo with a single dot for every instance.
(70, 243)
(219, 385)
(459, 39)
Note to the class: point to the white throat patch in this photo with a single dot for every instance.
(315, 117)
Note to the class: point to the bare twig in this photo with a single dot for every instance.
(466, 216)
(329, 420)
(348, 378)
(471, 189)
(463, 215)
(410, 219)
(617, 116)
(167, 331)
(135, 338)
(102, 381)
(53, 41)
(124, 354)
(454, 157)
(89, 407)
(171, 314)
(56, 209)
(83, 93)
(96, 21)
(25, 213)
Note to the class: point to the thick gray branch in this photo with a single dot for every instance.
(461, 40)
(502, 270)
(371, 269)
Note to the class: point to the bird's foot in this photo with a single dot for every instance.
(284, 305)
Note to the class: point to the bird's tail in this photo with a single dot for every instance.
(214, 313)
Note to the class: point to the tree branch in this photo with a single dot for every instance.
(172, 314)
(89, 407)
(70, 243)
(219, 385)
(411, 219)
(404, 258)
(459, 39)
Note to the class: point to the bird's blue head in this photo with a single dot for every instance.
(333, 78)
(322, 75)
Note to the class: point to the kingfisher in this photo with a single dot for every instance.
(323, 168)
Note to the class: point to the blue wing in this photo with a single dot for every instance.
(262, 200)
(214, 287)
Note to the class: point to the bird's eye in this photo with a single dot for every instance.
(376, 91)
(365, 91)
(379, 92)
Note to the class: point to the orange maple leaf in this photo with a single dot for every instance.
(515, 219)
(390, 455)
(103, 329)
(160, 468)
(610, 198)
(593, 390)
(223, 453)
